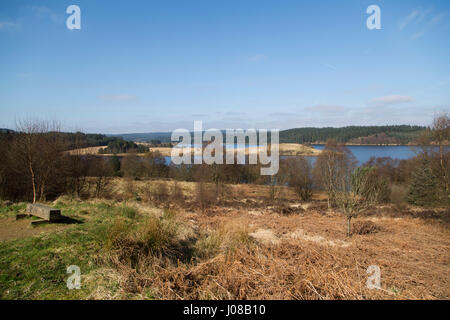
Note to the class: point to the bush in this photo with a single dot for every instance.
(398, 197)
(128, 212)
(205, 196)
(365, 227)
(300, 177)
(227, 238)
(368, 183)
(133, 243)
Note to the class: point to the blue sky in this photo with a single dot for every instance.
(142, 66)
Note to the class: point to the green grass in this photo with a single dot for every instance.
(35, 267)
(112, 239)
(12, 210)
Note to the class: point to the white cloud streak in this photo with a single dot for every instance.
(390, 100)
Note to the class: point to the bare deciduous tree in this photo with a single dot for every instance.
(38, 148)
(333, 168)
(441, 135)
(297, 172)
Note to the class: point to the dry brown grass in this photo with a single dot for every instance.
(259, 253)
(245, 249)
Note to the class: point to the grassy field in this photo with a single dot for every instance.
(241, 248)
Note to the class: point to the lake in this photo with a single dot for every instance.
(364, 153)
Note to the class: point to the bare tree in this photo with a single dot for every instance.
(133, 166)
(101, 172)
(441, 135)
(333, 168)
(38, 149)
(297, 173)
(350, 205)
(433, 150)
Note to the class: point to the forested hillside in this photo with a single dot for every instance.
(402, 134)
(76, 140)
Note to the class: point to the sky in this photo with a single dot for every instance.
(152, 66)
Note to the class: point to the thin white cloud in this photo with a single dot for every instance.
(7, 24)
(390, 100)
(282, 114)
(46, 13)
(437, 18)
(329, 66)
(235, 113)
(408, 19)
(118, 97)
(325, 108)
(424, 19)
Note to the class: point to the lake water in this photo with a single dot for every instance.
(364, 153)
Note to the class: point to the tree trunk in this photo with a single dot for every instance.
(32, 181)
(348, 226)
(441, 153)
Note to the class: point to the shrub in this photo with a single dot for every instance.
(205, 197)
(365, 227)
(398, 197)
(226, 238)
(368, 183)
(133, 244)
(128, 212)
(300, 177)
(176, 195)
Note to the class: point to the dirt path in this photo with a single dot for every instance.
(11, 229)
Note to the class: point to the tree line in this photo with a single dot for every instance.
(399, 134)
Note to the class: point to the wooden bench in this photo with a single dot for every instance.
(44, 212)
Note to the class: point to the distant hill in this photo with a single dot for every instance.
(164, 137)
(3, 130)
(77, 140)
(376, 135)
(400, 134)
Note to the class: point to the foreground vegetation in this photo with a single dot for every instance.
(242, 248)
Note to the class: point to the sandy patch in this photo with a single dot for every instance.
(265, 236)
(303, 235)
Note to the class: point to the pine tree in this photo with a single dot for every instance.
(423, 189)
